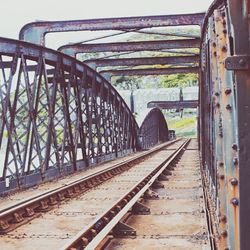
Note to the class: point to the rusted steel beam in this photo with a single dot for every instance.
(218, 159)
(239, 26)
(73, 49)
(149, 71)
(143, 61)
(229, 127)
(173, 104)
(35, 32)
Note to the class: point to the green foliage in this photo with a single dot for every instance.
(179, 80)
(184, 127)
(127, 83)
(182, 123)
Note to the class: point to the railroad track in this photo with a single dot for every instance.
(177, 218)
(54, 217)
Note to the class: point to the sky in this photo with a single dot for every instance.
(16, 13)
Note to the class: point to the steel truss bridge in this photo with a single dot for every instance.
(60, 115)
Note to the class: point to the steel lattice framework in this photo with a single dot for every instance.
(58, 115)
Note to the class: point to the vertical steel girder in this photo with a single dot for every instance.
(35, 32)
(225, 118)
(57, 116)
(74, 49)
(238, 12)
(153, 129)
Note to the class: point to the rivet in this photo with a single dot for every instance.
(215, 54)
(220, 134)
(228, 91)
(217, 105)
(222, 177)
(224, 233)
(235, 201)
(234, 146)
(235, 161)
(221, 164)
(216, 93)
(223, 218)
(214, 44)
(224, 49)
(223, 14)
(225, 31)
(228, 107)
(224, 22)
(234, 181)
(242, 62)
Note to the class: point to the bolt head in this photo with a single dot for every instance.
(224, 233)
(235, 161)
(228, 107)
(224, 49)
(235, 201)
(228, 91)
(222, 177)
(221, 164)
(234, 146)
(223, 218)
(242, 62)
(234, 181)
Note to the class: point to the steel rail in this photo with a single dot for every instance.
(92, 235)
(23, 212)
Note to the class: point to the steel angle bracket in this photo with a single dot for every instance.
(237, 62)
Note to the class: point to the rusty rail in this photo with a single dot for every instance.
(29, 209)
(91, 236)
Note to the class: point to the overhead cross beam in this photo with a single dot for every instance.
(173, 104)
(108, 74)
(142, 61)
(74, 49)
(35, 32)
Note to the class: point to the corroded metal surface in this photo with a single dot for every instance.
(225, 119)
(74, 49)
(35, 32)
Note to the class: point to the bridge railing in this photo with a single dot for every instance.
(57, 116)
